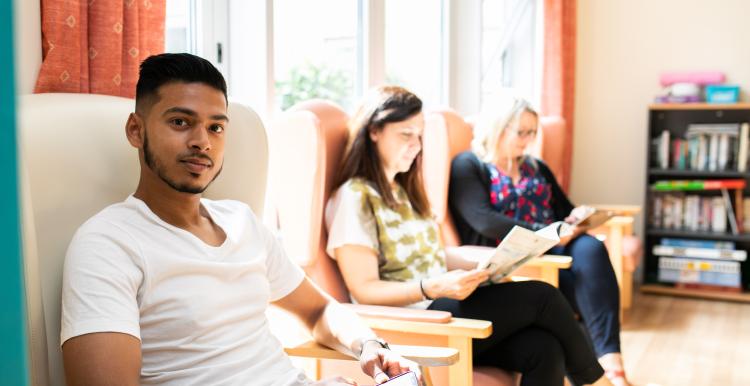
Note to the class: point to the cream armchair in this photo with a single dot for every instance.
(77, 161)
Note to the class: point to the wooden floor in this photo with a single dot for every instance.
(671, 341)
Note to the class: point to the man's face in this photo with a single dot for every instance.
(183, 136)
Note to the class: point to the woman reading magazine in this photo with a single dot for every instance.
(496, 187)
(382, 234)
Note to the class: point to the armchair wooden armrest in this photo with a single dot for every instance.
(544, 268)
(620, 210)
(400, 313)
(422, 355)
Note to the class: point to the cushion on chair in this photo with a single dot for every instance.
(305, 141)
(446, 135)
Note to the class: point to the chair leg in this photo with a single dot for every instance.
(550, 275)
(461, 373)
(427, 380)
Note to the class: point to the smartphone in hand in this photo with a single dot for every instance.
(406, 379)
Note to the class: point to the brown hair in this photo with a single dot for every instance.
(383, 105)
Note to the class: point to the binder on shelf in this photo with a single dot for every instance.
(664, 150)
(691, 243)
(700, 253)
(730, 212)
(744, 147)
(692, 271)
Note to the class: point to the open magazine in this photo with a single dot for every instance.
(522, 245)
(590, 217)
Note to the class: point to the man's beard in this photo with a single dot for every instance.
(158, 169)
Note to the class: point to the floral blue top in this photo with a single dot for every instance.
(529, 201)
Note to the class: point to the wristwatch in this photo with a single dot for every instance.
(378, 340)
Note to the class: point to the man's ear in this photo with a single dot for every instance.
(135, 130)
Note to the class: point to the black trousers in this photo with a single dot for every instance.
(534, 332)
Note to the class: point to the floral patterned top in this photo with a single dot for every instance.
(528, 201)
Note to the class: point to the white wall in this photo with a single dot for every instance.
(623, 46)
(28, 41)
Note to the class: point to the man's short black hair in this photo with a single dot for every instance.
(158, 70)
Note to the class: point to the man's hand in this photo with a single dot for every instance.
(457, 284)
(382, 364)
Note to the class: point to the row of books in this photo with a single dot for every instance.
(705, 147)
(673, 208)
(703, 263)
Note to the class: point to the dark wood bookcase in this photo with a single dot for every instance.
(676, 118)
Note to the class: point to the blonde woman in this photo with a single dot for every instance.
(382, 234)
(497, 186)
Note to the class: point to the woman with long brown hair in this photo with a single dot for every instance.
(385, 240)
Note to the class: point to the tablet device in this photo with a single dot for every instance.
(406, 379)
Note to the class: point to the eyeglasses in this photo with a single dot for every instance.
(531, 133)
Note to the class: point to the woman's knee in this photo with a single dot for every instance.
(589, 246)
(590, 256)
(542, 292)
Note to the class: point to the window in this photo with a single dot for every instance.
(413, 47)
(511, 47)
(178, 26)
(315, 51)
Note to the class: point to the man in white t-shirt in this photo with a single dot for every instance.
(170, 288)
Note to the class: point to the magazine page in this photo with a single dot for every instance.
(521, 245)
(590, 217)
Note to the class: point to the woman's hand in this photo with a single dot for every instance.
(457, 284)
(576, 231)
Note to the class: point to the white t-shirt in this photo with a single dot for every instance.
(198, 310)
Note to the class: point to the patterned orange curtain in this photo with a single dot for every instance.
(96, 46)
(558, 83)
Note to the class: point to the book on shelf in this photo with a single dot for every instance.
(699, 263)
(744, 147)
(705, 147)
(696, 212)
(746, 213)
(700, 253)
(700, 272)
(692, 243)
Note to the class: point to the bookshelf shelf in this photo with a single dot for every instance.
(696, 293)
(678, 173)
(700, 106)
(671, 122)
(743, 237)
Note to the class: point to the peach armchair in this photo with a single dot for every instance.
(307, 144)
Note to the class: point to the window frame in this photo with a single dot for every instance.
(248, 37)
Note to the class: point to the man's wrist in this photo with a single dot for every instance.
(365, 343)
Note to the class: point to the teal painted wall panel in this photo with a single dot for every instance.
(13, 342)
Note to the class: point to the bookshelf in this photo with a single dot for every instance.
(675, 119)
